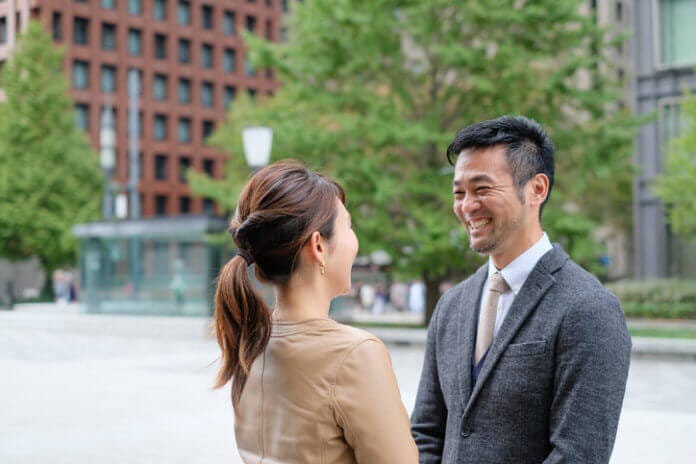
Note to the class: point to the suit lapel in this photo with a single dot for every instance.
(469, 303)
(539, 281)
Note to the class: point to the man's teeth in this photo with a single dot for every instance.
(479, 223)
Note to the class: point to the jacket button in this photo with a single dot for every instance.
(465, 431)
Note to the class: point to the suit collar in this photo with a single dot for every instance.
(540, 280)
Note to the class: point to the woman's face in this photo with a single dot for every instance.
(342, 251)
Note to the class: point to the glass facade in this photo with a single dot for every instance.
(677, 32)
(166, 268)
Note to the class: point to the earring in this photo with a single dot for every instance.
(322, 268)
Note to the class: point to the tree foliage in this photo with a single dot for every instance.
(49, 175)
(677, 185)
(373, 92)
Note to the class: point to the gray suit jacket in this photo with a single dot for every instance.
(551, 386)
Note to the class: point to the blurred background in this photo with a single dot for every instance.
(128, 128)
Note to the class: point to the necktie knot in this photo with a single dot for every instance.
(498, 284)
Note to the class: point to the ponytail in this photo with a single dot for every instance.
(242, 324)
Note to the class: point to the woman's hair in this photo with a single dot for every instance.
(278, 210)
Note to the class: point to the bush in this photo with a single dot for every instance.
(667, 299)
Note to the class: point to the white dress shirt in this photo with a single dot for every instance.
(515, 274)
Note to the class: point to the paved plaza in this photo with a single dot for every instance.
(104, 396)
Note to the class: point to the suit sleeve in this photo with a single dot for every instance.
(429, 418)
(593, 356)
(368, 407)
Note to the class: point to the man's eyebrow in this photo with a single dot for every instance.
(477, 178)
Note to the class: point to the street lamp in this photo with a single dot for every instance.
(257, 143)
(107, 158)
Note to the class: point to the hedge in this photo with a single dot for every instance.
(659, 298)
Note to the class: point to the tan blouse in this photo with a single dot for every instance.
(323, 392)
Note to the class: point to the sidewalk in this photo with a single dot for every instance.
(70, 318)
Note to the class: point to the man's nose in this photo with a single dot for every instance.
(470, 204)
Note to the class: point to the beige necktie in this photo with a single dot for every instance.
(484, 336)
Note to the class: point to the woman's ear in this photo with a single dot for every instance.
(317, 247)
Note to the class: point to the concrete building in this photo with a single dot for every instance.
(664, 57)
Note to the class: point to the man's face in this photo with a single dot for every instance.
(487, 202)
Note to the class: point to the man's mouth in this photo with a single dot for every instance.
(476, 224)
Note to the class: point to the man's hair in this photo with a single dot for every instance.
(529, 150)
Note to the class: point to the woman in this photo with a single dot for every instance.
(305, 389)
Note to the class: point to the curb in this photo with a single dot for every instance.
(200, 328)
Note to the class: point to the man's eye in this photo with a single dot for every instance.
(483, 188)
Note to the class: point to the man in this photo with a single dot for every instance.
(526, 360)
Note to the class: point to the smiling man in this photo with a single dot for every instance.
(526, 360)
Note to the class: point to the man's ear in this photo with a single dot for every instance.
(537, 189)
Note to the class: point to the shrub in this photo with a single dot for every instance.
(658, 298)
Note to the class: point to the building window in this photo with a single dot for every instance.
(161, 167)
(251, 93)
(160, 46)
(3, 29)
(285, 6)
(108, 79)
(57, 26)
(82, 116)
(208, 207)
(269, 3)
(184, 165)
(207, 56)
(135, 7)
(184, 91)
(183, 12)
(209, 167)
(228, 23)
(184, 51)
(251, 24)
(80, 74)
(80, 31)
(619, 11)
(207, 17)
(108, 36)
(207, 94)
(184, 205)
(159, 85)
(160, 205)
(159, 10)
(248, 68)
(269, 30)
(184, 130)
(677, 34)
(673, 124)
(108, 4)
(160, 129)
(229, 59)
(208, 129)
(135, 42)
(230, 93)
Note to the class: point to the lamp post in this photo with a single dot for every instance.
(107, 159)
(257, 143)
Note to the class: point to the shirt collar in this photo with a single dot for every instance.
(519, 269)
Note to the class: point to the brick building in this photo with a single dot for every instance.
(191, 62)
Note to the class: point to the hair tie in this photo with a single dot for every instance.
(245, 255)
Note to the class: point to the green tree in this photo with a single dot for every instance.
(49, 175)
(373, 91)
(677, 185)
